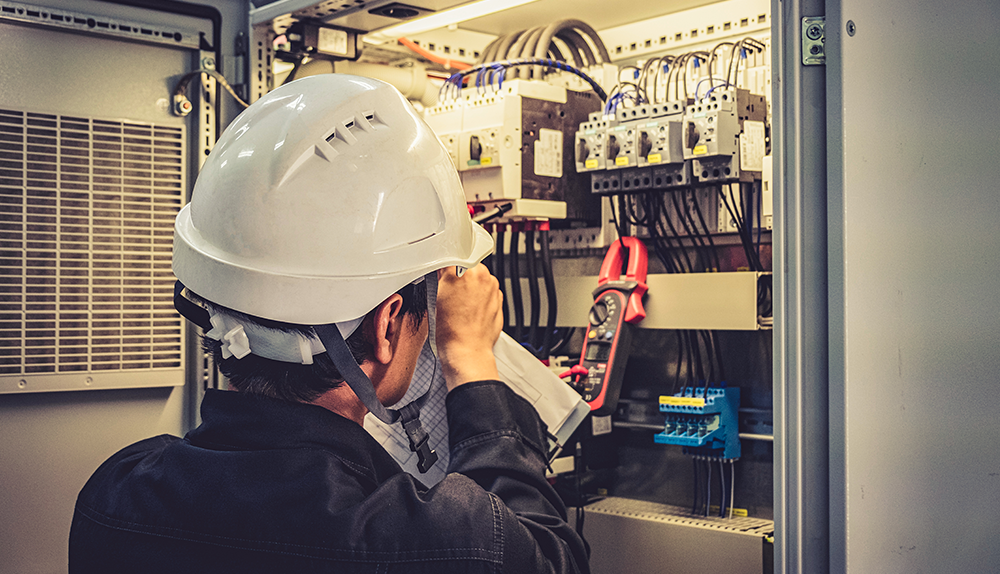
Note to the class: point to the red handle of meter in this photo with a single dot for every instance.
(635, 270)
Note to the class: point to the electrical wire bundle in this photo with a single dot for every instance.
(569, 40)
(495, 72)
(676, 71)
(703, 499)
(507, 263)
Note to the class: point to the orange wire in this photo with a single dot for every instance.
(448, 63)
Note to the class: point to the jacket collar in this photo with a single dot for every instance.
(238, 421)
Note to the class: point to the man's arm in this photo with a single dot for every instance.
(496, 437)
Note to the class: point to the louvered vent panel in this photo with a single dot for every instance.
(86, 222)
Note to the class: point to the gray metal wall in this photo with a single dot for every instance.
(914, 206)
(52, 442)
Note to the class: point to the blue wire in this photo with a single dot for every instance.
(722, 85)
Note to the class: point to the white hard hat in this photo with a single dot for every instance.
(320, 200)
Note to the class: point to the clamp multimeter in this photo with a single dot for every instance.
(617, 308)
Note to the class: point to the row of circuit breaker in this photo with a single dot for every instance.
(514, 145)
(720, 139)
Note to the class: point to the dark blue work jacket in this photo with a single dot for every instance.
(265, 485)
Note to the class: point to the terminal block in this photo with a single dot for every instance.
(703, 421)
(725, 136)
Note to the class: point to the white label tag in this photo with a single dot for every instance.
(601, 425)
(332, 41)
(548, 153)
(752, 146)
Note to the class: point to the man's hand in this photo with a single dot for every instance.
(469, 321)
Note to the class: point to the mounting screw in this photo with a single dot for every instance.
(22, 384)
(814, 32)
(851, 28)
(88, 381)
(208, 63)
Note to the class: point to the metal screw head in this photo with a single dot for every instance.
(851, 28)
(208, 63)
(814, 31)
(814, 49)
(22, 384)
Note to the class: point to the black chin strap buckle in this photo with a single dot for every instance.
(426, 457)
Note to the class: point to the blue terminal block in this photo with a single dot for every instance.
(703, 425)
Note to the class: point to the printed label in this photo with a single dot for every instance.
(654, 158)
(700, 149)
(332, 41)
(623, 160)
(601, 425)
(548, 153)
(682, 401)
(591, 164)
(752, 146)
(486, 161)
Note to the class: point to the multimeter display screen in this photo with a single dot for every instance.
(597, 352)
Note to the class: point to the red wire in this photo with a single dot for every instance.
(447, 63)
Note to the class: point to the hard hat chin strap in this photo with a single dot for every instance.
(409, 415)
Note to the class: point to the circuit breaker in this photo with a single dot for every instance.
(516, 144)
(725, 136)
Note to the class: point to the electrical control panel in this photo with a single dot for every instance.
(703, 421)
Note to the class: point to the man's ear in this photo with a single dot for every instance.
(386, 328)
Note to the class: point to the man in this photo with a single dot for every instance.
(324, 244)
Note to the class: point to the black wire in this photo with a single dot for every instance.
(710, 358)
(708, 233)
(718, 355)
(533, 294)
(746, 205)
(501, 271)
(665, 217)
(689, 375)
(739, 227)
(699, 366)
(550, 293)
(708, 485)
(295, 70)
(695, 240)
(760, 222)
(680, 358)
(618, 228)
(660, 244)
(694, 506)
(695, 231)
(516, 300)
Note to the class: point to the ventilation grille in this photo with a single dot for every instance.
(676, 515)
(86, 222)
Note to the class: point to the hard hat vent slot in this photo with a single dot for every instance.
(350, 129)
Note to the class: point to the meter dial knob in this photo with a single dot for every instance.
(598, 313)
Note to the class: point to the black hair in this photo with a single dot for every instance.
(296, 382)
